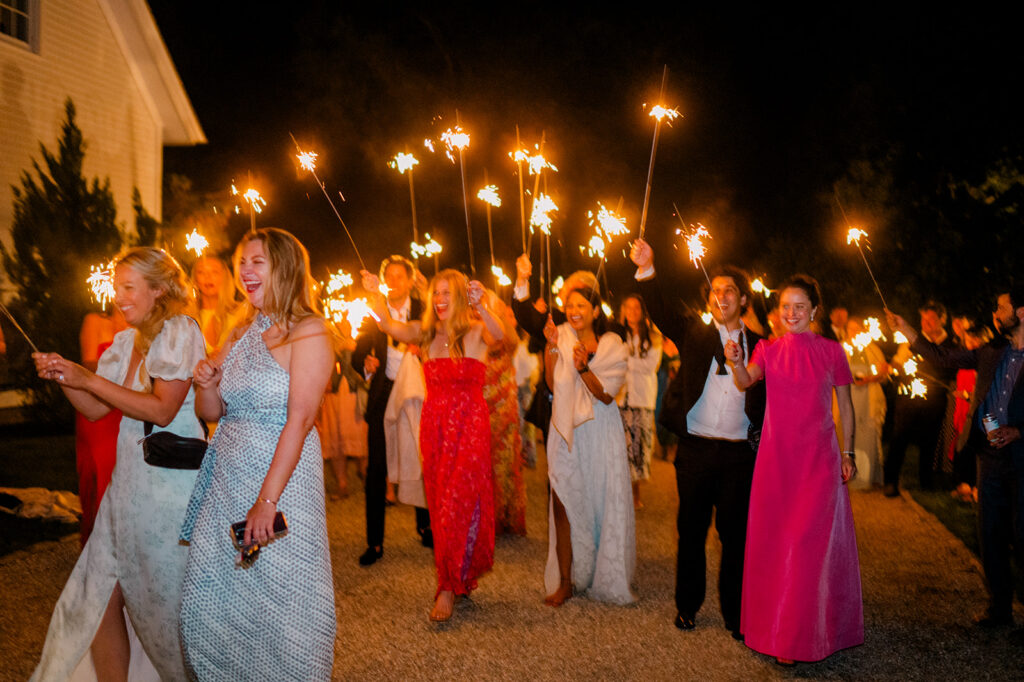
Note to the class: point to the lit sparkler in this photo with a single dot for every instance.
(660, 113)
(255, 201)
(307, 161)
(910, 367)
(101, 283)
(915, 389)
(430, 248)
(195, 242)
(853, 236)
(540, 217)
(404, 162)
(458, 139)
(759, 287)
(898, 337)
(489, 195)
(520, 156)
(706, 317)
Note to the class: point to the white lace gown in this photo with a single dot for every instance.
(135, 540)
(589, 471)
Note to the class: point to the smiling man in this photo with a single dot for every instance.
(716, 424)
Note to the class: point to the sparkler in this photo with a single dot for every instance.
(607, 224)
(195, 242)
(695, 245)
(758, 287)
(431, 248)
(899, 338)
(101, 283)
(659, 113)
(500, 276)
(489, 195)
(308, 162)
(519, 156)
(404, 162)
(457, 138)
(255, 201)
(536, 164)
(17, 326)
(854, 236)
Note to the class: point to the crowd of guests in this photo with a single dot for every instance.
(441, 398)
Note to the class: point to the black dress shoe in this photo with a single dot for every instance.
(426, 537)
(370, 556)
(734, 630)
(989, 620)
(685, 621)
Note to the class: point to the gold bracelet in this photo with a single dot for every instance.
(268, 501)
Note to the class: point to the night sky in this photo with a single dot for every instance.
(777, 107)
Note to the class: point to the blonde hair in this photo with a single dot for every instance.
(227, 303)
(459, 318)
(291, 292)
(160, 271)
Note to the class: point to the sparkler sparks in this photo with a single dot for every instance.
(454, 138)
(307, 160)
(915, 389)
(660, 113)
(503, 279)
(695, 244)
(337, 281)
(489, 194)
(101, 283)
(607, 222)
(898, 337)
(706, 317)
(540, 217)
(538, 163)
(854, 235)
(595, 247)
(429, 144)
(910, 367)
(403, 162)
(252, 196)
(430, 248)
(758, 287)
(195, 242)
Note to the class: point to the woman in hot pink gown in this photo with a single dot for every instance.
(801, 585)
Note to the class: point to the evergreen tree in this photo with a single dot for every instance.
(62, 225)
(146, 226)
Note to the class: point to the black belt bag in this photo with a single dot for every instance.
(171, 451)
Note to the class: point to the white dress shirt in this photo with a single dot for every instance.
(718, 413)
(394, 359)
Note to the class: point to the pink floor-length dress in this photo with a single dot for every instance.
(801, 580)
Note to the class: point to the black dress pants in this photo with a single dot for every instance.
(1000, 522)
(712, 474)
(920, 422)
(377, 476)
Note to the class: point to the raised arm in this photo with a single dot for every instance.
(405, 332)
(940, 356)
(309, 371)
(673, 326)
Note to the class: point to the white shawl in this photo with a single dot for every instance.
(402, 431)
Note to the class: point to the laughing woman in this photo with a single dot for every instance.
(132, 559)
(455, 431)
(273, 618)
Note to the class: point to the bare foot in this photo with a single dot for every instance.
(561, 595)
(442, 610)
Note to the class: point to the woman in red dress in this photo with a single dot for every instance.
(455, 431)
(801, 589)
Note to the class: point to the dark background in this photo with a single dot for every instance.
(909, 116)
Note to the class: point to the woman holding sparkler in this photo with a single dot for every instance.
(801, 590)
(132, 560)
(455, 431)
(592, 543)
(219, 311)
(639, 395)
(269, 612)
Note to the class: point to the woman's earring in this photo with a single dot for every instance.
(812, 317)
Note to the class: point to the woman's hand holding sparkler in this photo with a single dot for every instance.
(68, 374)
(207, 375)
(642, 255)
(733, 352)
(579, 357)
(475, 293)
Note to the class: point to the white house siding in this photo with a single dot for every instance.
(78, 56)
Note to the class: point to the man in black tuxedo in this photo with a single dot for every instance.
(379, 356)
(999, 392)
(716, 424)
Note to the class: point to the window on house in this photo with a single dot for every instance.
(15, 20)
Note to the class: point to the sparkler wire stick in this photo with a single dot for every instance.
(252, 208)
(312, 169)
(465, 200)
(854, 235)
(17, 326)
(522, 197)
(536, 189)
(654, 150)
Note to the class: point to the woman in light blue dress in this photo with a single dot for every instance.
(133, 560)
(273, 619)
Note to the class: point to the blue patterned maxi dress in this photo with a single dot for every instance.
(274, 620)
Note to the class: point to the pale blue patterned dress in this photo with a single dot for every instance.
(135, 540)
(274, 620)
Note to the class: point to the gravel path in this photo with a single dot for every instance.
(921, 586)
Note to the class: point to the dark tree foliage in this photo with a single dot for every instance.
(62, 225)
(146, 226)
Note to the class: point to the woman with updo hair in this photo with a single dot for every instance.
(218, 309)
(801, 590)
(132, 560)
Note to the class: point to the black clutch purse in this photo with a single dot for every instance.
(247, 554)
(171, 451)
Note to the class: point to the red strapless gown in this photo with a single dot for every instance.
(455, 440)
(95, 456)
